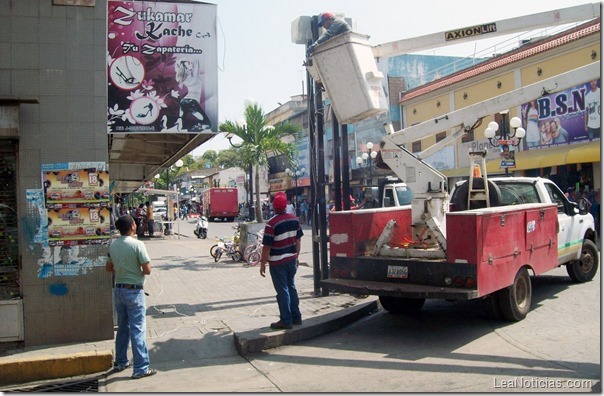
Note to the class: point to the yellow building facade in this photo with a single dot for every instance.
(573, 164)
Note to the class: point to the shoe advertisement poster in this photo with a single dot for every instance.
(162, 67)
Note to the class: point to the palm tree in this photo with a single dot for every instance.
(259, 139)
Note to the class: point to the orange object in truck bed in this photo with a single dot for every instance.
(354, 233)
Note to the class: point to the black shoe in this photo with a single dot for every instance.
(118, 368)
(148, 373)
(280, 325)
(297, 322)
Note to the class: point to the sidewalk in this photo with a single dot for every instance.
(202, 319)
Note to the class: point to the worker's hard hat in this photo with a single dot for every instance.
(324, 16)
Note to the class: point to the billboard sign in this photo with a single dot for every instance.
(565, 117)
(161, 67)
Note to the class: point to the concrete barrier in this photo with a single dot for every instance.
(260, 339)
(20, 371)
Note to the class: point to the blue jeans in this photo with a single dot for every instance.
(287, 295)
(131, 327)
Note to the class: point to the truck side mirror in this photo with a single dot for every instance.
(387, 202)
(584, 206)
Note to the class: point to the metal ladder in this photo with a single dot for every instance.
(478, 169)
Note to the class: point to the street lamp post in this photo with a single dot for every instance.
(251, 215)
(367, 159)
(296, 174)
(506, 139)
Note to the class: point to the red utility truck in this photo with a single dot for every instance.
(480, 241)
(220, 203)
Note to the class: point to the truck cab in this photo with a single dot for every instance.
(575, 222)
(390, 193)
(395, 195)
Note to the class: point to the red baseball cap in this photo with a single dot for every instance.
(279, 202)
(324, 16)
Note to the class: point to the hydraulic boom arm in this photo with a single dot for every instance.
(488, 30)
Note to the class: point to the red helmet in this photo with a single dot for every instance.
(324, 16)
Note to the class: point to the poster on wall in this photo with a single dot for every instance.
(63, 260)
(162, 67)
(566, 117)
(72, 225)
(84, 186)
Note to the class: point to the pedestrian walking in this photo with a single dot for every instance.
(129, 262)
(281, 247)
(303, 211)
(150, 219)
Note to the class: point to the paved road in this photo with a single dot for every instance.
(454, 347)
(194, 304)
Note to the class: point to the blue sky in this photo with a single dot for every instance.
(257, 59)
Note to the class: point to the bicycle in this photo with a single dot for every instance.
(253, 253)
(225, 246)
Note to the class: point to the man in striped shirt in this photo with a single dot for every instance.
(281, 248)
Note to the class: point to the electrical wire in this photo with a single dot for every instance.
(156, 279)
(224, 41)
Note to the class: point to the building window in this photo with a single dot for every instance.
(416, 146)
(468, 137)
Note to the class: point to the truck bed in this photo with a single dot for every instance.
(485, 250)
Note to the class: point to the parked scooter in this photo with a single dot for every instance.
(201, 228)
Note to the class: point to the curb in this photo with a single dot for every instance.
(257, 340)
(21, 371)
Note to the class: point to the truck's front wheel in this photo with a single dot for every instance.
(400, 305)
(515, 300)
(584, 269)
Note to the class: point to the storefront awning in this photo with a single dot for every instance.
(588, 153)
(543, 158)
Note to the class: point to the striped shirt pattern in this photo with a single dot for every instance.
(281, 233)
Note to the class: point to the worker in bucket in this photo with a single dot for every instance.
(334, 27)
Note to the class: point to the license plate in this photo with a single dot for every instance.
(395, 271)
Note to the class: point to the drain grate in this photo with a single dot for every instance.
(87, 385)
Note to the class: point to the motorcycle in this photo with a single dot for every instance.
(201, 228)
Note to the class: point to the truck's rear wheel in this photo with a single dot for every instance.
(584, 269)
(515, 300)
(491, 304)
(400, 305)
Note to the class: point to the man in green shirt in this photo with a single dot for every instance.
(129, 261)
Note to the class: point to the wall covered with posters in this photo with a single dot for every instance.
(58, 83)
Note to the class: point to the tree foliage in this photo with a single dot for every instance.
(258, 140)
(229, 159)
(209, 159)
